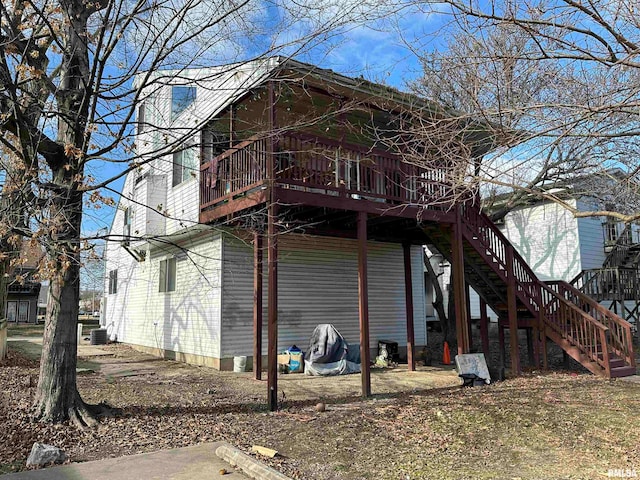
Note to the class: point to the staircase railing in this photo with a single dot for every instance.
(480, 228)
(576, 327)
(617, 256)
(620, 337)
(565, 310)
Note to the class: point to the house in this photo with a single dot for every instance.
(22, 289)
(272, 192)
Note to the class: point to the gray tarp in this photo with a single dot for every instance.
(329, 353)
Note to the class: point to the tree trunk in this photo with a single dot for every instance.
(438, 303)
(57, 398)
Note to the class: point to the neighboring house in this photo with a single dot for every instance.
(22, 290)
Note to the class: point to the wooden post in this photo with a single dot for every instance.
(363, 303)
(257, 305)
(272, 261)
(484, 329)
(408, 295)
(467, 291)
(459, 291)
(501, 344)
(513, 313)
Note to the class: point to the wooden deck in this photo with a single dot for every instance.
(317, 172)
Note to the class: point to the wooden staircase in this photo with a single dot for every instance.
(597, 338)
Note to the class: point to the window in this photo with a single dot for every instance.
(141, 119)
(184, 166)
(113, 281)
(167, 275)
(126, 231)
(181, 98)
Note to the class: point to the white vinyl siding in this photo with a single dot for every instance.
(318, 283)
(187, 320)
(591, 236)
(546, 235)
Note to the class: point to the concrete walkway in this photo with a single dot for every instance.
(199, 462)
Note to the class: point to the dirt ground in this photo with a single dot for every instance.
(417, 425)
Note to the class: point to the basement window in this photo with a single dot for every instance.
(167, 275)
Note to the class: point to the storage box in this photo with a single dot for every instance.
(294, 361)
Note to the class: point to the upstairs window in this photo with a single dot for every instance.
(167, 275)
(184, 166)
(126, 231)
(181, 98)
(141, 118)
(113, 281)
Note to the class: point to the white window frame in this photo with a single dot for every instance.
(177, 109)
(167, 275)
(113, 282)
(184, 164)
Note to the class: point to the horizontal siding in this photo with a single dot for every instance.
(186, 320)
(318, 283)
(591, 239)
(546, 236)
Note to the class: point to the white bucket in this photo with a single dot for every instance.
(240, 364)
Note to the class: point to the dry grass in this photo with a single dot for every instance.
(536, 427)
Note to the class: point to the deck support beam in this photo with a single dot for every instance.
(459, 290)
(408, 293)
(513, 312)
(484, 329)
(257, 305)
(363, 304)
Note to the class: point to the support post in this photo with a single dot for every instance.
(272, 308)
(513, 313)
(272, 263)
(501, 346)
(459, 290)
(408, 295)
(363, 303)
(467, 291)
(257, 305)
(484, 329)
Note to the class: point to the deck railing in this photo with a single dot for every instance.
(611, 283)
(320, 165)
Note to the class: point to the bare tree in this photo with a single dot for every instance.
(556, 84)
(73, 76)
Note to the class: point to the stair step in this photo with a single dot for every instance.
(625, 371)
(616, 362)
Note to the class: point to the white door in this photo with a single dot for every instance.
(12, 311)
